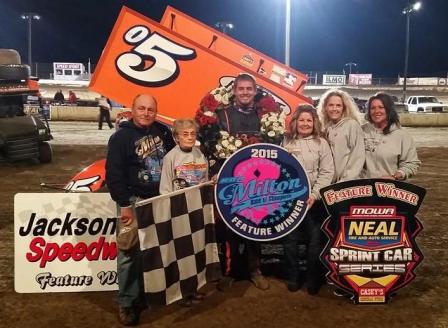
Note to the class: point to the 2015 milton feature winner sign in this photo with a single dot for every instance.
(261, 192)
(372, 228)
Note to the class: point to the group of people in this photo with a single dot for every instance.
(334, 146)
(60, 98)
(329, 141)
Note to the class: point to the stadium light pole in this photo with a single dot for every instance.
(350, 65)
(29, 17)
(287, 32)
(224, 26)
(410, 8)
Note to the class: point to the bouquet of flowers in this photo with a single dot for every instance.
(272, 127)
(216, 99)
(220, 144)
(227, 145)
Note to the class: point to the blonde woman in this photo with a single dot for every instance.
(339, 115)
(306, 144)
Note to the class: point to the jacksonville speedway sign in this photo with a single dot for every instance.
(64, 242)
(372, 228)
(261, 192)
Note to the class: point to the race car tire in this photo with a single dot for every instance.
(45, 152)
(9, 56)
(14, 72)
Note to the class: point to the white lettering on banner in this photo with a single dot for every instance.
(108, 277)
(159, 50)
(249, 229)
(68, 66)
(46, 279)
(397, 268)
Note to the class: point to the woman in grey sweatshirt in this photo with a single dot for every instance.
(305, 143)
(339, 115)
(390, 150)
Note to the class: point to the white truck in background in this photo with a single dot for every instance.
(426, 104)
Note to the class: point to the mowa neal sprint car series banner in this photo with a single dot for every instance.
(64, 242)
(372, 228)
(142, 56)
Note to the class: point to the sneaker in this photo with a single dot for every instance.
(260, 282)
(128, 316)
(225, 283)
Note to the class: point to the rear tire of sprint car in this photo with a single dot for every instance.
(9, 56)
(14, 72)
(45, 152)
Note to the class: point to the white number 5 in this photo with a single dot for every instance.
(161, 51)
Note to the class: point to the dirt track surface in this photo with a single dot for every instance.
(422, 304)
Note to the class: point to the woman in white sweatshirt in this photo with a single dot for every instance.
(306, 144)
(339, 115)
(390, 150)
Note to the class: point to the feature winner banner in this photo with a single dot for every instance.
(142, 56)
(261, 192)
(64, 242)
(372, 227)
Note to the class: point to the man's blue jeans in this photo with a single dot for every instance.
(131, 291)
(130, 278)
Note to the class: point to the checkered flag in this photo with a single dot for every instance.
(178, 243)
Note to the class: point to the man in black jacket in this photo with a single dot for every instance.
(241, 118)
(133, 168)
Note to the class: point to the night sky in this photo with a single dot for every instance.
(325, 34)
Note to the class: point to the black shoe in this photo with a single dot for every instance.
(197, 297)
(260, 281)
(186, 302)
(225, 283)
(128, 316)
(313, 290)
(293, 287)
